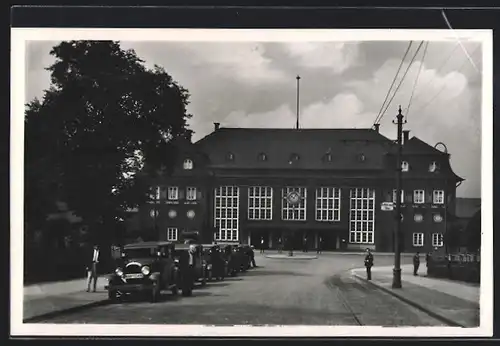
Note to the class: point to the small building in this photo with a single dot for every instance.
(248, 184)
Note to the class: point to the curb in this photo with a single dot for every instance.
(411, 302)
(295, 257)
(38, 318)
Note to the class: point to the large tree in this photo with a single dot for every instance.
(104, 115)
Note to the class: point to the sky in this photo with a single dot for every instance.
(342, 85)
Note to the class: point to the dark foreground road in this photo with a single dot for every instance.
(310, 292)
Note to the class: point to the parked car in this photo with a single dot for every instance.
(231, 256)
(248, 255)
(144, 268)
(216, 265)
(191, 264)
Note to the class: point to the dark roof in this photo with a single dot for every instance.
(467, 207)
(311, 145)
(417, 146)
(146, 244)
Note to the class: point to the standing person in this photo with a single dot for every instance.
(416, 263)
(252, 257)
(320, 245)
(92, 269)
(304, 244)
(368, 264)
(280, 245)
(261, 244)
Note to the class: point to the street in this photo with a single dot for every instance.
(278, 292)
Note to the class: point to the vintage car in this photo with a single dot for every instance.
(233, 258)
(192, 267)
(144, 268)
(247, 256)
(216, 265)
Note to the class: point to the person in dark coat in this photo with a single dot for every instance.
(304, 244)
(416, 263)
(261, 244)
(280, 245)
(369, 264)
(92, 269)
(252, 256)
(320, 245)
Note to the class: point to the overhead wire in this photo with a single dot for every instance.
(407, 110)
(402, 79)
(393, 81)
(466, 60)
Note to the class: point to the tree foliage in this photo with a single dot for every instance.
(104, 115)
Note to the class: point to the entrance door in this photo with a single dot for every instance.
(329, 239)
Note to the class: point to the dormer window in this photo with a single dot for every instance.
(262, 157)
(230, 157)
(328, 157)
(433, 167)
(361, 157)
(188, 164)
(405, 167)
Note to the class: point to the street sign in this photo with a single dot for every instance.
(387, 206)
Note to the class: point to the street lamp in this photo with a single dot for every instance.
(396, 280)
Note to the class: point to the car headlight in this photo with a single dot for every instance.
(209, 266)
(176, 260)
(145, 270)
(119, 271)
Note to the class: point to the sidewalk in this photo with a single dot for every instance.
(313, 252)
(453, 302)
(43, 300)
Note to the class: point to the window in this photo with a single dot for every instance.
(394, 194)
(437, 239)
(191, 193)
(173, 193)
(438, 197)
(327, 204)
(226, 213)
(433, 167)
(405, 167)
(154, 194)
(293, 205)
(327, 157)
(418, 217)
(262, 157)
(260, 200)
(293, 158)
(362, 216)
(230, 157)
(171, 234)
(418, 239)
(418, 196)
(437, 218)
(188, 164)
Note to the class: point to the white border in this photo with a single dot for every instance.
(19, 36)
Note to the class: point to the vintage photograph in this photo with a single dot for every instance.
(291, 182)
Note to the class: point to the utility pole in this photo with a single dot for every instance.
(396, 280)
(298, 84)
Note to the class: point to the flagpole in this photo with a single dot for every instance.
(298, 90)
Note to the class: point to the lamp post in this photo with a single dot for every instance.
(396, 280)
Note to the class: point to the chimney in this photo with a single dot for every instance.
(406, 136)
(216, 126)
(377, 127)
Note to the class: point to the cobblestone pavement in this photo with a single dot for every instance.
(311, 292)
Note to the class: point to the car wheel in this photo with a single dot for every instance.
(175, 290)
(210, 274)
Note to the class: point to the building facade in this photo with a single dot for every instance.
(303, 185)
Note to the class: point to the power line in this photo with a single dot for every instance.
(444, 86)
(416, 80)
(402, 79)
(393, 81)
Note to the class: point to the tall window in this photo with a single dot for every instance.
(226, 213)
(438, 197)
(394, 194)
(437, 239)
(260, 201)
(419, 196)
(173, 193)
(188, 164)
(154, 194)
(418, 239)
(362, 216)
(327, 204)
(172, 234)
(293, 205)
(191, 193)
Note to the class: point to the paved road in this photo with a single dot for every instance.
(310, 292)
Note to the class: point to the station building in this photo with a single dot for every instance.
(242, 185)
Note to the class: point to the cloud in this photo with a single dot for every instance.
(333, 56)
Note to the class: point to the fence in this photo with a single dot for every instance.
(462, 267)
